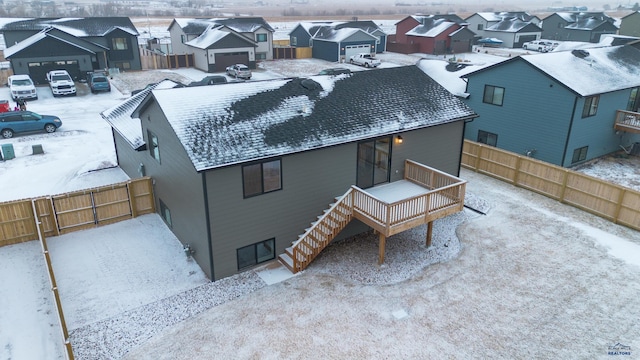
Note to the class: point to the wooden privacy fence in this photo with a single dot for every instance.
(78, 210)
(613, 202)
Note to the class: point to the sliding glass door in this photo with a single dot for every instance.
(374, 162)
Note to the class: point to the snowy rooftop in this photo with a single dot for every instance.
(87, 46)
(119, 116)
(239, 24)
(512, 25)
(588, 72)
(431, 27)
(337, 35)
(238, 122)
(499, 16)
(80, 27)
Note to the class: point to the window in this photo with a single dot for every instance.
(493, 95)
(119, 44)
(261, 178)
(182, 39)
(261, 56)
(294, 41)
(480, 27)
(261, 37)
(634, 100)
(154, 148)
(579, 154)
(488, 138)
(165, 213)
(374, 160)
(256, 253)
(590, 106)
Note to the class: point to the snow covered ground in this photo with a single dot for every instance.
(532, 278)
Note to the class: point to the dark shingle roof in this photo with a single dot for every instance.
(239, 24)
(84, 27)
(239, 122)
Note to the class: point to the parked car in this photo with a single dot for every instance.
(98, 81)
(334, 71)
(22, 87)
(210, 80)
(537, 45)
(61, 83)
(239, 71)
(364, 59)
(12, 122)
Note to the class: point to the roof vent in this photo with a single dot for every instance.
(580, 53)
(310, 84)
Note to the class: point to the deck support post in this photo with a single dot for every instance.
(381, 246)
(429, 232)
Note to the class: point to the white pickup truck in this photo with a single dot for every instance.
(364, 59)
(61, 83)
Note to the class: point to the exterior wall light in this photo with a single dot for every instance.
(399, 139)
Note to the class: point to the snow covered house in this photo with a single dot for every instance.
(433, 34)
(338, 41)
(562, 107)
(481, 21)
(191, 36)
(630, 24)
(578, 26)
(513, 32)
(242, 169)
(78, 45)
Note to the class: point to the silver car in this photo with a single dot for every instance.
(239, 71)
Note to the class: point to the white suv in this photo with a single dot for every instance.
(61, 83)
(21, 87)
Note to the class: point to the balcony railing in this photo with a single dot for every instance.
(628, 121)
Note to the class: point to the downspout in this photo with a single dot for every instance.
(464, 129)
(206, 214)
(566, 143)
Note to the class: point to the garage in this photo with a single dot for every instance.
(227, 59)
(356, 49)
(523, 39)
(38, 70)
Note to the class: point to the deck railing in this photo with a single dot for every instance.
(627, 121)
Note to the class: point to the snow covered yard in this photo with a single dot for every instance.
(533, 278)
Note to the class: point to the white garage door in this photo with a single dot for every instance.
(356, 49)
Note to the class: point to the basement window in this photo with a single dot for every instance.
(257, 253)
(485, 137)
(579, 154)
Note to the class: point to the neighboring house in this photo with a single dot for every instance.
(256, 29)
(338, 41)
(241, 169)
(219, 47)
(434, 34)
(78, 45)
(513, 32)
(481, 21)
(578, 26)
(630, 24)
(562, 107)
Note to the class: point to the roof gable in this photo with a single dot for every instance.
(239, 122)
(585, 72)
(215, 34)
(80, 27)
(52, 35)
(514, 25)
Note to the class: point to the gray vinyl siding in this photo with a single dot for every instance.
(536, 111)
(310, 182)
(301, 35)
(325, 50)
(553, 28)
(129, 159)
(630, 25)
(178, 185)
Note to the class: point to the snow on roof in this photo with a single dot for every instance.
(208, 38)
(119, 116)
(239, 24)
(337, 35)
(430, 30)
(603, 70)
(586, 72)
(586, 24)
(509, 25)
(14, 49)
(238, 122)
(80, 27)
(499, 16)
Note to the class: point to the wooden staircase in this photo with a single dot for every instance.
(300, 254)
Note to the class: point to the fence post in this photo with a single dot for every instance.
(478, 157)
(619, 205)
(517, 170)
(565, 178)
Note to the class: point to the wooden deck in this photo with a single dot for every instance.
(628, 121)
(424, 195)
